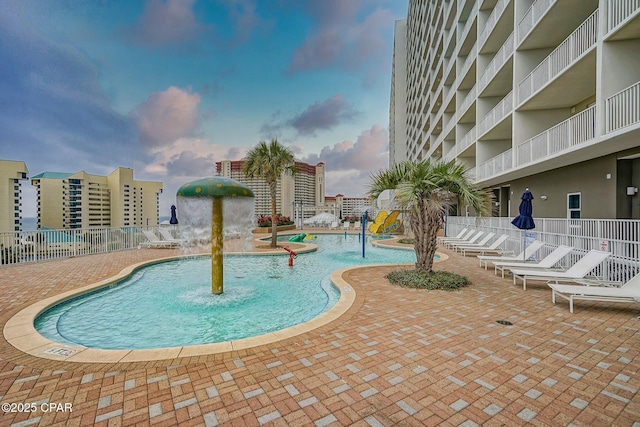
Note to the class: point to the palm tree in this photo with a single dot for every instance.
(269, 161)
(427, 189)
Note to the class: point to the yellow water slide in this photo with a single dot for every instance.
(376, 226)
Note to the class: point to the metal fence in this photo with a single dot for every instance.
(619, 237)
(43, 245)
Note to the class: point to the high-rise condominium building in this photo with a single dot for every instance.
(540, 94)
(11, 173)
(306, 186)
(81, 200)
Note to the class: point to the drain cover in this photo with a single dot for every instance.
(504, 322)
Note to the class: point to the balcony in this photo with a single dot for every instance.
(497, 165)
(496, 13)
(619, 10)
(532, 17)
(496, 115)
(496, 63)
(564, 56)
(563, 137)
(464, 143)
(623, 108)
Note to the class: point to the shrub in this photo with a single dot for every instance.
(435, 280)
(407, 241)
(265, 221)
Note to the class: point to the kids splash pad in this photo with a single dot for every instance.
(169, 304)
(201, 204)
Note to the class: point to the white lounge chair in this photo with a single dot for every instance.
(493, 247)
(334, 225)
(579, 270)
(357, 225)
(523, 256)
(166, 235)
(628, 292)
(472, 239)
(481, 242)
(155, 242)
(457, 236)
(346, 225)
(465, 237)
(547, 262)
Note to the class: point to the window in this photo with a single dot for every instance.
(573, 205)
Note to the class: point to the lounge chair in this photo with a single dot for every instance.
(357, 225)
(166, 235)
(480, 242)
(523, 256)
(346, 225)
(474, 238)
(457, 236)
(628, 292)
(579, 270)
(493, 247)
(334, 225)
(547, 262)
(155, 242)
(465, 237)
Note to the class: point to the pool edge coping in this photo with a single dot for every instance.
(19, 330)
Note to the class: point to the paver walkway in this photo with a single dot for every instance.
(397, 357)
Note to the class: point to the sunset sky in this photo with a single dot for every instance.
(169, 87)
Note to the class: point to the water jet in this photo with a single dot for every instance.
(216, 189)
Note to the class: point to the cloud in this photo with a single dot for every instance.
(167, 23)
(342, 37)
(167, 116)
(53, 113)
(321, 115)
(370, 152)
(190, 157)
(244, 17)
(188, 163)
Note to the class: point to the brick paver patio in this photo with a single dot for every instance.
(397, 357)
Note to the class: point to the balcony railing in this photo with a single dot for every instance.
(562, 137)
(466, 102)
(466, 65)
(501, 163)
(499, 112)
(496, 13)
(496, 63)
(623, 108)
(572, 48)
(619, 10)
(532, 16)
(468, 139)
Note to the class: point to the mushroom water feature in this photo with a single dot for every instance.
(222, 194)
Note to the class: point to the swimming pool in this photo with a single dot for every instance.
(170, 304)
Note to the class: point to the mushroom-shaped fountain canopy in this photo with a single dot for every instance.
(215, 186)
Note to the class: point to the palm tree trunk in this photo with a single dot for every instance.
(424, 224)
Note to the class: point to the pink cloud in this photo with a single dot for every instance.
(369, 153)
(166, 117)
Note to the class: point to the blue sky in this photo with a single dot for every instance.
(169, 87)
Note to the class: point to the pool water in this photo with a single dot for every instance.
(170, 304)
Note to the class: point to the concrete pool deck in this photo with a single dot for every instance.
(397, 356)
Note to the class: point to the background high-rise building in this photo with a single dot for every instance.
(306, 186)
(537, 94)
(11, 174)
(82, 200)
